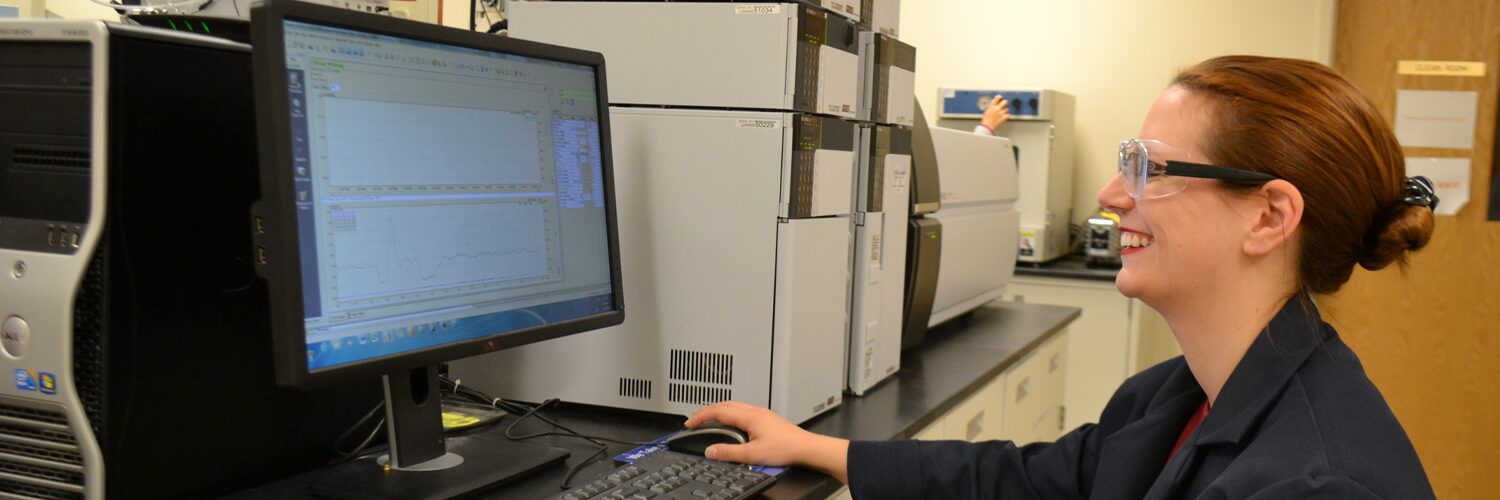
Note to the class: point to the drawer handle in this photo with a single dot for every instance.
(1022, 389)
(975, 427)
(1056, 363)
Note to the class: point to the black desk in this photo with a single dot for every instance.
(957, 360)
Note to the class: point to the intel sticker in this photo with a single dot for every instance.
(24, 380)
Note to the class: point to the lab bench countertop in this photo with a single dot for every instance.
(957, 359)
(1069, 266)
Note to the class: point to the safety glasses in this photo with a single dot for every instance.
(1153, 169)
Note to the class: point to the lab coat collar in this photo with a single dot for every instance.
(1135, 453)
(1260, 377)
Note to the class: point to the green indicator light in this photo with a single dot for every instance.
(189, 25)
(172, 24)
(932, 236)
(205, 27)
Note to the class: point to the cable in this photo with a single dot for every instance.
(458, 390)
(362, 445)
(572, 471)
(343, 456)
(568, 432)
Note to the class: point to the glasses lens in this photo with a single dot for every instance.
(1133, 161)
(1143, 164)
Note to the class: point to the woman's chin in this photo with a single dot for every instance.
(1128, 284)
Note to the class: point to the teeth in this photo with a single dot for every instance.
(1134, 240)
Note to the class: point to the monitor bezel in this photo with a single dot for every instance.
(275, 225)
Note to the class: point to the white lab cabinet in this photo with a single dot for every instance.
(1022, 404)
(1112, 339)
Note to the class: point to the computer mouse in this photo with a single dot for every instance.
(696, 441)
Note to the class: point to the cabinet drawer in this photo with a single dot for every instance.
(978, 417)
(1032, 388)
(933, 431)
(1050, 426)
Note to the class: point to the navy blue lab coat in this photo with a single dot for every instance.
(1297, 418)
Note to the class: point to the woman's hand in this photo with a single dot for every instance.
(773, 440)
(997, 114)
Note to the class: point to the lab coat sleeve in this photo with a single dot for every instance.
(960, 469)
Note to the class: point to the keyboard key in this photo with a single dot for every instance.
(663, 475)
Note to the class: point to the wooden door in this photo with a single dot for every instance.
(1430, 337)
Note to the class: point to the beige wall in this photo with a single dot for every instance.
(79, 9)
(1114, 56)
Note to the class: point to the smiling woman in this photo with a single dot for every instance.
(1253, 183)
(1301, 122)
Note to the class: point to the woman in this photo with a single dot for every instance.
(1254, 183)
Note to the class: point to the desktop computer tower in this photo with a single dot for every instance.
(1041, 128)
(734, 247)
(135, 329)
(878, 282)
(773, 56)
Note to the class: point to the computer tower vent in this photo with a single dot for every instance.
(635, 388)
(89, 315)
(39, 457)
(696, 394)
(12, 413)
(33, 491)
(706, 367)
(51, 159)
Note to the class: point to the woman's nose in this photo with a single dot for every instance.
(1113, 196)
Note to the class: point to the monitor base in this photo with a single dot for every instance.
(489, 460)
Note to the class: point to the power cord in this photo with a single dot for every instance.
(455, 393)
(347, 456)
(527, 412)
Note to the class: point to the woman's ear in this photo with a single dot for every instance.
(1278, 207)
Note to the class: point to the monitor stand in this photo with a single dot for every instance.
(421, 464)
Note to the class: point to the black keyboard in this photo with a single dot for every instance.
(668, 475)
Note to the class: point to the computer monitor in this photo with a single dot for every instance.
(428, 194)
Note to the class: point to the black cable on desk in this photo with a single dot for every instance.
(528, 412)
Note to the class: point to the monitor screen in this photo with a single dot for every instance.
(443, 193)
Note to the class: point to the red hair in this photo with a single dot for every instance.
(1300, 121)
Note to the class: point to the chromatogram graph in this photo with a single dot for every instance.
(379, 143)
(389, 251)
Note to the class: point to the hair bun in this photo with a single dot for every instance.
(1406, 229)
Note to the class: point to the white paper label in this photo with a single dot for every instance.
(1436, 118)
(759, 123)
(1449, 175)
(757, 9)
